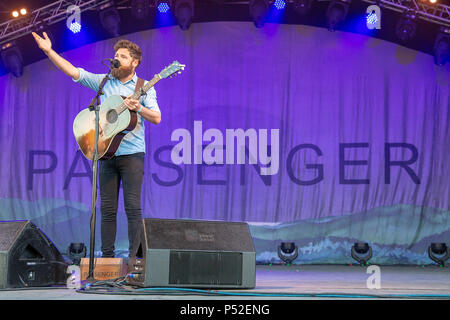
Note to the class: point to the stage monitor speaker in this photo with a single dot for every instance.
(193, 253)
(28, 258)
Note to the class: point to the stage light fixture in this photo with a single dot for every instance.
(441, 47)
(73, 21)
(110, 19)
(75, 27)
(140, 9)
(439, 253)
(12, 59)
(280, 4)
(302, 7)
(361, 252)
(15, 14)
(406, 26)
(163, 6)
(373, 17)
(336, 13)
(184, 12)
(76, 251)
(23, 11)
(258, 11)
(287, 252)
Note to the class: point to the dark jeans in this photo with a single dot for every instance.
(130, 170)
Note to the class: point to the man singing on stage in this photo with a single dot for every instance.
(127, 165)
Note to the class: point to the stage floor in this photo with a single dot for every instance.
(286, 282)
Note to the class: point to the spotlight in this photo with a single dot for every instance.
(15, 14)
(140, 9)
(406, 26)
(439, 253)
(73, 21)
(373, 17)
(12, 59)
(302, 7)
(75, 27)
(184, 11)
(110, 19)
(442, 47)
(336, 13)
(280, 4)
(76, 251)
(163, 5)
(361, 252)
(23, 11)
(288, 252)
(258, 11)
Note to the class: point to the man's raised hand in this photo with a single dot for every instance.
(44, 43)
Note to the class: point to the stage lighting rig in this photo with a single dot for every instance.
(163, 6)
(302, 7)
(406, 26)
(258, 11)
(280, 4)
(441, 47)
(140, 9)
(361, 252)
(184, 12)
(76, 251)
(73, 21)
(110, 19)
(336, 13)
(287, 252)
(12, 59)
(21, 12)
(439, 253)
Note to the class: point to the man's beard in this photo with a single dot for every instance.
(122, 72)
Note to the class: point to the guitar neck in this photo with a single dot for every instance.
(135, 96)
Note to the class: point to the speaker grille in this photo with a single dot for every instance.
(9, 230)
(205, 268)
(198, 235)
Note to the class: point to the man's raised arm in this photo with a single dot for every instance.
(62, 64)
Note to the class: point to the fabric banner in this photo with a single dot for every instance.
(319, 138)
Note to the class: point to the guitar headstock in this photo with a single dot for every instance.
(174, 68)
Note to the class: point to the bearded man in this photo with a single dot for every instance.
(127, 165)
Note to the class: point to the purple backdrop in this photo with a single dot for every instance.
(363, 139)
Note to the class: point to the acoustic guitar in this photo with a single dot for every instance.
(115, 120)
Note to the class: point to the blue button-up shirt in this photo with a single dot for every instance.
(133, 141)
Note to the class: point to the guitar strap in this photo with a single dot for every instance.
(139, 85)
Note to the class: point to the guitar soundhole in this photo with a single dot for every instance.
(111, 116)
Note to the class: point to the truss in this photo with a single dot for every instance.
(47, 15)
(57, 11)
(437, 13)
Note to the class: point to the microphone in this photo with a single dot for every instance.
(114, 63)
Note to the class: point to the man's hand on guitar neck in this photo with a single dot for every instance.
(62, 64)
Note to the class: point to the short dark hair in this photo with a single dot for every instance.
(132, 47)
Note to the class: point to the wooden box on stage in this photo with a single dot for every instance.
(104, 268)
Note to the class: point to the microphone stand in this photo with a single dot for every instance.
(94, 106)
